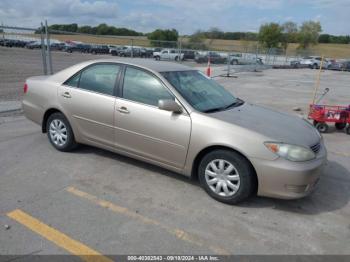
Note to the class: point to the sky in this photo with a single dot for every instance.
(186, 16)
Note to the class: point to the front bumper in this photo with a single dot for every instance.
(285, 179)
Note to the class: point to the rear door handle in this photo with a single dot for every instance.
(123, 110)
(66, 95)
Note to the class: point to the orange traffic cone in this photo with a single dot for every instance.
(208, 68)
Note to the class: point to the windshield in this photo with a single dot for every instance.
(201, 92)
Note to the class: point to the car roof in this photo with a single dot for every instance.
(157, 66)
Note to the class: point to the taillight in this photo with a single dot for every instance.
(25, 88)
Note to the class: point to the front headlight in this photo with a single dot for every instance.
(291, 152)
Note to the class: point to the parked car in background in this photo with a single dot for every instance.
(112, 47)
(339, 65)
(33, 45)
(57, 46)
(13, 43)
(168, 54)
(313, 62)
(131, 52)
(98, 49)
(215, 58)
(146, 52)
(297, 64)
(240, 59)
(174, 116)
(82, 48)
(346, 66)
(188, 54)
(118, 50)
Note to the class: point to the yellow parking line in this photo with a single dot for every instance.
(55, 236)
(178, 233)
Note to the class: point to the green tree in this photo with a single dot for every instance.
(270, 35)
(159, 37)
(86, 30)
(324, 38)
(103, 29)
(214, 33)
(309, 33)
(289, 34)
(196, 41)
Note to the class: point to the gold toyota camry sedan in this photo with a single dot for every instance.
(175, 117)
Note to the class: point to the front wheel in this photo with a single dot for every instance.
(60, 133)
(322, 127)
(340, 126)
(226, 176)
(348, 130)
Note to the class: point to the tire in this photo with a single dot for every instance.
(239, 186)
(57, 122)
(348, 130)
(340, 126)
(322, 127)
(176, 58)
(234, 62)
(314, 66)
(157, 58)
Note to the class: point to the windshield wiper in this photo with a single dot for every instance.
(212, 110)
(238, 102)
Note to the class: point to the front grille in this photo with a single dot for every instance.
(316, 148)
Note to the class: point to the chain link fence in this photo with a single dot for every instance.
(226, 57)
(30, 38)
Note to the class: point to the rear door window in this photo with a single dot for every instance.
(100, 78)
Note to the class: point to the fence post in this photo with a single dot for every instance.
(179, 50)
(43, 54)
(48, 49)
(3, 31)
(132, 48)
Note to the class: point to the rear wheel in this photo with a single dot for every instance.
(60, 133)
(314, 66)
(340, 126)
(322, 127)
(348, 130)
(226, 176)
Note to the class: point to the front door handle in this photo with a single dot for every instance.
(66, 95)
(123, 110)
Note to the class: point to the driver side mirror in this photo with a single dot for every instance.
(169, 105)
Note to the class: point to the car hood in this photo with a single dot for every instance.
(276, 126)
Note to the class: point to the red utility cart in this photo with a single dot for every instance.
(323, 114)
